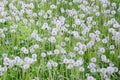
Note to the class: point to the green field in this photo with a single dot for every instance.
(59, 39)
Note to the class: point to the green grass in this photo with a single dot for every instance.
(21, 38)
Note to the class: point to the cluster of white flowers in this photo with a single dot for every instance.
(108, 71)
(2, 35)
(51, 64)
(45, 26)
(13, 28)
(24, 50)
(52, 39)
(23, 63)
(33, 48)
(117, 37)
(82, 35)
(90, 78)
(36, 36)
(2, 70)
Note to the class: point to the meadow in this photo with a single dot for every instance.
(59, 39)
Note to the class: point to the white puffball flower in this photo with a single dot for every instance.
(54, 32)
(62, 10)
(56, 51)
(104, 58)
(93, 70)
(80, 52)
(70, 66)
(90, 78)
(93, 59)
(76, 48)
(81, 69)
(27, 60)
(36, 46)
(71, 54)
(113, 12)
(112, 52)
(110, 70)
(91, 65)
(55, 64)
(97, 13)
(79, 62)
(51, 64)
(117, 37)
(104, 40)
(102, 50)
(32, 50)
(49, 53)
(63, 44)
(103, 70)
(1, 31)
(24, 50)
(52, 39)
(34, 56)
(43, 54)
(26, 66)
(92, 35)
(67, 39)
(53, 6)
(65, 61)
(112, 47)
